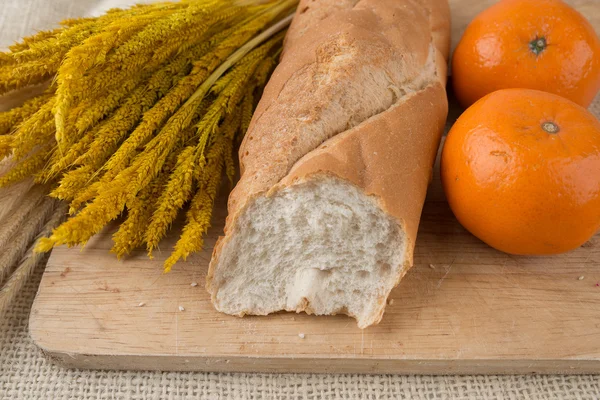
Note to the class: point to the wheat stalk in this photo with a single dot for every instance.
(23, 271)
(28, 230)
(9, 226)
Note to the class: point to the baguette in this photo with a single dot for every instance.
(336, 162)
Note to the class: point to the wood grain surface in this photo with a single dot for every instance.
(463, 309)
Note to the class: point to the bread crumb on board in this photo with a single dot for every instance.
(142, 304)
(431, 266)
(301, 335)
(181, 308)
(581, 278)
(390, 302)
(194, 284)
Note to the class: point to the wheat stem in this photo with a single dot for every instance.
(16, 282)
(23, 237)
(9, 226)
(238, 55)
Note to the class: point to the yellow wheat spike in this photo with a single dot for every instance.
(109, 134)
(87, 194)
(248, 104)
(41, 36)
(97, 109)
(5, 59)
(161, 111)
(35, 130)
(107, 205)
(148, 163)
(60, 43)
(90, 53)
(247, 110)
(230, 16)
(44, 174)
(89, 221)
(59, 163)
(41, 60)
(106, 176)
(102, 179)
(6, 146)
(199, 215)
(13, 77)
(111, 197)
(72, 183)
(150, 91)
(25, 141)
(145, 96)
(27, 42)
(75, 31)
(25, 168)
(90, 112)
(197, 224)
(184, 136)
(222, 83)
(132, 232)
(75, 26)
(176, 193)
(93, 51)
(10, 119)
(229, 168)
(142, 52)
(53, 52)
(229, 131)
(173, 24)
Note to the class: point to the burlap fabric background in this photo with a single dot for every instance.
(26, 374)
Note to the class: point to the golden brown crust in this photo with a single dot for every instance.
(380, 33)
(390, 154)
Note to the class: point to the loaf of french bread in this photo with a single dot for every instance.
(336, 162)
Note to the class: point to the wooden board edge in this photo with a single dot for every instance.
(339, 365)
(322, 366)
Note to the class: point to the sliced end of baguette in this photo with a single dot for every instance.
(321, 246)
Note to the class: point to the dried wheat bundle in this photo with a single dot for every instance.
(142, 115)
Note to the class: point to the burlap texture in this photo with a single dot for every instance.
(26, 374)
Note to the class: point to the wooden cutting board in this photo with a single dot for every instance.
(463, 309)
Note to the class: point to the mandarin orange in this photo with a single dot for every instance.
(536, 44)
(521, 171)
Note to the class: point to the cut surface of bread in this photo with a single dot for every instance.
(320, 246)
